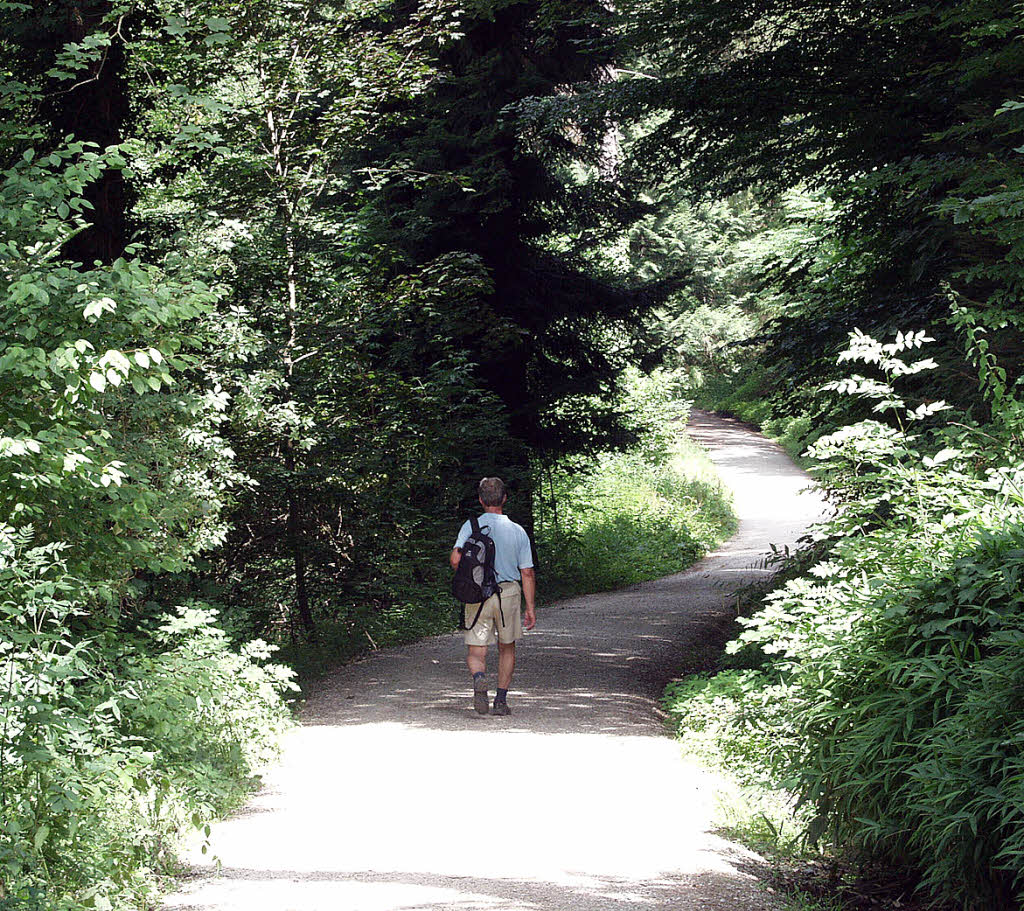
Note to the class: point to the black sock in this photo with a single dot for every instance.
(478, 675)
(500, 697)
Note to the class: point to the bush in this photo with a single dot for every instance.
(730, 720)
(107, 756)
(891, 700)
(903, 671)
(636, 515)
(120, 725)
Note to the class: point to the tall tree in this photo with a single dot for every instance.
(473, 168)
(348, 451)
(904, 116)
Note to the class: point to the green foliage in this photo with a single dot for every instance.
(802, 901)
(349, 388)
(479, 165)
(883, 148)
(734, 722)
(748, 259)
(413, 299)
(647, 512)
(385, 248)
(100, 445)
(109, 754)
(122, 722)
(706, 337)
(731, 720)
(893, 670)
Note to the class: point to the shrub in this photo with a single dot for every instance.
(730, 720)
(106, 756)
(632, 516)
(120, 726)
(895, 670)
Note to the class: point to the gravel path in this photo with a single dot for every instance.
(584, 802)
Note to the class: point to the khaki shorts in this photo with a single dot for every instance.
(499, 621)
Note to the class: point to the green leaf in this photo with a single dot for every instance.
(97, 307)
(117, 360)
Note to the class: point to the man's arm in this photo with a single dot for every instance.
(455, 557)
(530, 594)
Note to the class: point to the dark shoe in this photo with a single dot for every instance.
(501, 708)
(480, 695)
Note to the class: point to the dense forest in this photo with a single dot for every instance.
(282, 280)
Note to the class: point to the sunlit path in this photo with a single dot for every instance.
(378, 804)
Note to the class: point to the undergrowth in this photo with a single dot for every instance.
(369, 626)
(882, 688)
(112, 750)
(632, 516)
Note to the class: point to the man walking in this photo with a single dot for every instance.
(499, 619)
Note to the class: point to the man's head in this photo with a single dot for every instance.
(492, 491)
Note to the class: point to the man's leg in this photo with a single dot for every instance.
(506, 664)
(511, 630)
(476, 660)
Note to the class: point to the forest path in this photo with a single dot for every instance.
(586, 803)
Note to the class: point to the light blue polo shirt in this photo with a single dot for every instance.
(511, 545)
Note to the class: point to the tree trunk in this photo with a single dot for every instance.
(293, 522)
(95, 110)
(294, 532)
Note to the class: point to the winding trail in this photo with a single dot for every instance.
(378, 804)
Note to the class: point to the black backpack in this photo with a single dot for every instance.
(475, 580)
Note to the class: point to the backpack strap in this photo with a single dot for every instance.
(474, 524)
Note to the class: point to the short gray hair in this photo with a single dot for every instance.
(492, 491)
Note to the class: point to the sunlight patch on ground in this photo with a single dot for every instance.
(541, 805)
(256, 891)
